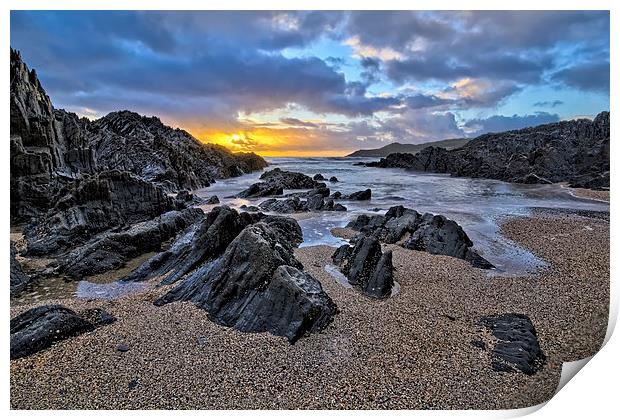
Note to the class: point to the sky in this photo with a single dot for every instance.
(326, 83)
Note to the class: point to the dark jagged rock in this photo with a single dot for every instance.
(50, 148)
(47, 145)
(517, 346)
(39, 328)
(359, 195)
(532, 179)
(366, 267)
(333, 179)
(431, 233)
(288, 180)
(318, 177)
(261, 189)
(19, 279)
(315, 202)
(214, 199)
(93, 204)
(111, 250)
(336, 195)
(257, 285)
(205, 241)
(275, 181)
(566, 151)
(170, 158)
(592, 181)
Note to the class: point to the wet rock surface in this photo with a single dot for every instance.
(575, 151)
(421, 232)
(366, 266)
(275, 181)
(111, 250)
(40, 327)
(19, 279)
(517, 347)
(315, 202)
(93, 204)
(257, 285)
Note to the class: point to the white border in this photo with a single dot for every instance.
(592, 395)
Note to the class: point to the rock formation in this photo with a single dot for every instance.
(257, 285)
(112, 249)
(575, 151)
(40, 327)
(275, 181)
(366, 267)
(315, 202)
(517, 347)
(421, 232)
(93, 204)
(52, 147)
(19, 279)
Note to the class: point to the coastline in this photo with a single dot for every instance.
(410, 351)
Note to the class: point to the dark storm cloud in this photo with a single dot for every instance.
(589, 76)
(498, 123)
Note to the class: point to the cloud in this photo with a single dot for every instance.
(497, 123)
(548, 104)
(297, 122)
(589, 76)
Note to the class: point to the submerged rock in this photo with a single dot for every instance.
(19, 279)
(366, 267)
(517, 347)
(40, 327)
(421, 232)
(214, 199)
(333, 179)
(359, 195)
(257, 285)
(318, 177)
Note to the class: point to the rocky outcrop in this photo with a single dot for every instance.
(170, 158)
(333, 179)
(517, 347)
(575, 151)
(93, 204)
(258, 285)
(206, 240)
(315, 202)
(41, 327)
(359, 195)
(51, 147)
(19, 279)
(111, 250)
(47, 145)
(421, 232)
(366, 266)
(275, 181)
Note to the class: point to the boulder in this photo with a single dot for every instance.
(517, 347)
(333, 179)
(287, 179)
(214, 199)
(206, 240)
(41, 327)
(421, 232)
(359, 195)
(318, 177)
(257, 285)
(366, 266)
(19, 279)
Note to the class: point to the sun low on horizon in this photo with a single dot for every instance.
(323, 83)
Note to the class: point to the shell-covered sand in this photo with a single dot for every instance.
(410, 351)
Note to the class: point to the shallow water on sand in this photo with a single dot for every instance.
(478, 205)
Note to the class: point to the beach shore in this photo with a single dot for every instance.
(410, 351)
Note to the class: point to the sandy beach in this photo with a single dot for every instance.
(410, 351)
